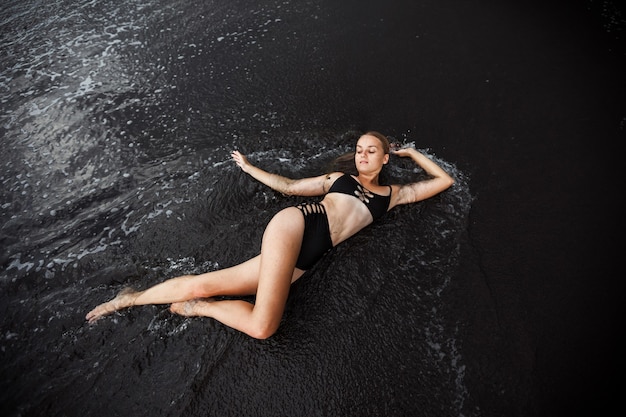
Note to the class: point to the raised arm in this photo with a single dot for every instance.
(313, 186)
(421, 190)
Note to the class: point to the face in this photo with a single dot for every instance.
(370, 156)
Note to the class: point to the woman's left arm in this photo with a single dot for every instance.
(421, 190)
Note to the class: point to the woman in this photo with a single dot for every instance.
(293, 241)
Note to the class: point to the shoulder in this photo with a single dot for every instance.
(312, 186)
(333, 176)
(330, 178)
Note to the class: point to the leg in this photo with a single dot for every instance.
(242, 279)
(279, 251)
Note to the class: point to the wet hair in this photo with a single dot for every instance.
(345, 162)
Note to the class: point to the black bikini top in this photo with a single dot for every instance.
(377, 204)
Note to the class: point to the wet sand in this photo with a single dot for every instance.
(538, 280)
(528, 100)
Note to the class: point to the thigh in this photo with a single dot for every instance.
(243, 279)
(279, 251)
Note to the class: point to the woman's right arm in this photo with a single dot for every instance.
(309, 187)
(439, 180)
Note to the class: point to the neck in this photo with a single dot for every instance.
(368, 179)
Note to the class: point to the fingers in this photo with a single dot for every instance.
(404, 151)
(399, 152)
(240, 160)
(237, 157)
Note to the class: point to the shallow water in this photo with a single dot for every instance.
(495, 298)
(118, 119)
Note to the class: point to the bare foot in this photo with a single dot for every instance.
(188, 308)
(124, 298)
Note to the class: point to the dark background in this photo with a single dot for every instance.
(543, 295)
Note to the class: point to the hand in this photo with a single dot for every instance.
(402, 152)
(240, 160)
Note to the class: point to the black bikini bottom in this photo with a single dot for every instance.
(316, 241)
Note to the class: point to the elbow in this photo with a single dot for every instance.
(288, 188)
(445, 182)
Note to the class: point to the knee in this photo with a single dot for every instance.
(262, 333)
(262, 330)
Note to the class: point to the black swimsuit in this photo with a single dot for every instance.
(376, 203)
(316, 240)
